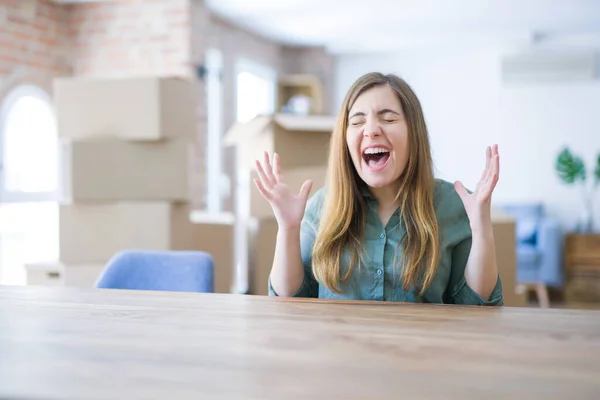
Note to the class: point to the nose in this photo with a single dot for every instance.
(372, 128)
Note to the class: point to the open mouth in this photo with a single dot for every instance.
(376, 157)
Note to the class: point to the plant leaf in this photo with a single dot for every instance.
(570, 168)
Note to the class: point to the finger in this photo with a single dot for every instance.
(267, 183)
(259, 185)
(277, 168)
(494, 153)
(496, 164)
(493, 180)
(488, 154)
(461, 190)
(305, 190)
(269, 169)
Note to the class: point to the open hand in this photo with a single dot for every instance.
(478, 204)
(287, 206)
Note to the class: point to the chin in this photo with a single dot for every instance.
(376, 181)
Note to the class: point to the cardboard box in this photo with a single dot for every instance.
(214, 234)
(308, 85)
(45, 274)
(59, 274)
(82, 275)
(113, 170)
(149, 108)
(94, 233)
(506, 257)
(262, 238)
(300, 141)
(294, 178)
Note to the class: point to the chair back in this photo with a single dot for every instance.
(176, 271)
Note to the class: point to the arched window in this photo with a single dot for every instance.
(29, 182)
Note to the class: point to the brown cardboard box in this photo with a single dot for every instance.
(294, 178)
(308, 85)
(148, 108)
(300, 141)
(45, 274)
(506, 257)
(262, 238)
(113, 170)
(93, 233)
(214, 234)
(82, 275)
(263, 235)
(59, 274)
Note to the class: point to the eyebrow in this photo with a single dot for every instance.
(380, 112)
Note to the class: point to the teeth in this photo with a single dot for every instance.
(375, 150)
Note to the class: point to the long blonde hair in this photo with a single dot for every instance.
(343, 214)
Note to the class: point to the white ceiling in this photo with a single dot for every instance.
(347, 26)
(350, 26)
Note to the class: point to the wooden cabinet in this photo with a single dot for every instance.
(300, 84)
(582, 262)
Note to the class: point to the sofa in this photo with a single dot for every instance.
(539, 245)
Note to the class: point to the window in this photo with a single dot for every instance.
(29, 182)
(256, 86)
(217, 182)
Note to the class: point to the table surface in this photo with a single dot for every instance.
(68, 343)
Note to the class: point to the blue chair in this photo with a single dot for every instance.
(539, 247)
(175, 271)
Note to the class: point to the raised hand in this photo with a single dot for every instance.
(478, 204)
(287, 206)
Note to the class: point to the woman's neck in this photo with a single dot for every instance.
(387, 204)
(386, 196)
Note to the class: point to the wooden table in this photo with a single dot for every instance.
(66, 343)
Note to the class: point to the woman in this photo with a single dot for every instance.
(383, 228)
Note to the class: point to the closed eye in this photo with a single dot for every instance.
(390, 117)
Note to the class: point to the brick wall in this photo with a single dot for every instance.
(33, 46)
(130, 38)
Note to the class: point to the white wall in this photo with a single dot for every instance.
(467, 108)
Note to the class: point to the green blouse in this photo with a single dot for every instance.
(378, 279)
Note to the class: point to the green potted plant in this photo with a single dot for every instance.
(571, 171)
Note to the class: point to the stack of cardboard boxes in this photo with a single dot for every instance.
(127, 159)
(302, 143)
